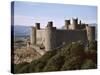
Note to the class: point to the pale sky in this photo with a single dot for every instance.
(28, 13)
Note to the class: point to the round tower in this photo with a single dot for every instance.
(90, 32)
(74, 23)
(33, 35)
(67, 23)
(50, 24)
(50, 37)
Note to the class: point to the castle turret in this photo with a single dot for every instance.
(33, 35)
(74, 23)
(67, 23)
(50, 37)
(80, 22)
(37, 25)
(90, 32)
(50, 24)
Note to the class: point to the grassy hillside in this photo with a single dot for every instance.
(71, 57)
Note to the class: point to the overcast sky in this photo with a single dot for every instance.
(28, 13)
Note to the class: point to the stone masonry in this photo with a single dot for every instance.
(50, 37)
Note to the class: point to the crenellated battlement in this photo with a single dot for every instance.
(37, 25)
(50, 37)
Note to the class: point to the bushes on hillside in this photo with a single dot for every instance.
(55, 63)
(91, 53)
(48, 55)
(24, 69)
(75, 57)
(70, 57)
(93, 45)
(88, 64)
(17, 67)
(72, 63)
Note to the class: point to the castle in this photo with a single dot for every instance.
(50, 37)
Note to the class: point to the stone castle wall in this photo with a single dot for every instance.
(68, 36)
(51, 37)
(33, 35)
(90, 32)
(54, 38)
(40, 36)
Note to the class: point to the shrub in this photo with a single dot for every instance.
(72, 63)
(33, 65)
(17, 67)
(88, 64)
(91, 53)
(24, 69)
(48, 55)
(65, 50)
(37, 66)
(75, 57)
(92, 45)
(77, 49)
(55, 63)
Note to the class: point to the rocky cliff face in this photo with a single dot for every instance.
(25, 55)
